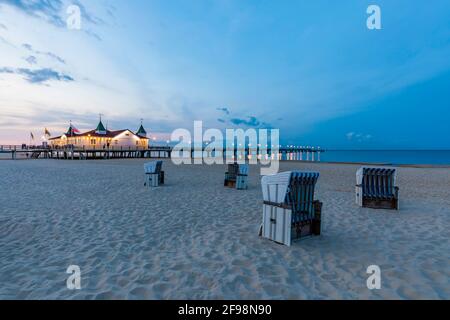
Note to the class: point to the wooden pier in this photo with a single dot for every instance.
(69, 153)
(289, 153)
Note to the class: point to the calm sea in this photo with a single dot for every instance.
(421, 157)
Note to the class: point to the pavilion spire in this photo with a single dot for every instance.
(100, 127)
(141, 131)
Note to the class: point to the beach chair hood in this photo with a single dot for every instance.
(151, 167)
(370, 170)
(275, 188)
(243, 169)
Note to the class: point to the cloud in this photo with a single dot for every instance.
(359, 137)
(31, 59)
(86, 15)
(350, 135)
(53, 12)
(93, 35)
(224, 110)
(250, 122)
(2, 26)
(38, 76)
(48, 10)
(111, 10)
(30, 48)
(3, 40)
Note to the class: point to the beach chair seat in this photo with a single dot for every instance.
(290, 211)
(154, 176)
(237, 176)
(376, 187)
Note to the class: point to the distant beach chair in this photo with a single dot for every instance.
(377, 188)
(154, 176)
(237, 176)
(290, 211)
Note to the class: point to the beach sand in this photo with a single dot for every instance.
(194, 239)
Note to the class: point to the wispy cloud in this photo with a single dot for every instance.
(2, 26)
(38, 76)
(111, 10)
(48, 10)
(358, 137)
(56, 121)
(88, 16)
(4, 41)
(53, 12)
(224, 110)
(48, 54)
(93, 35)
(31, 60)
(250, 122)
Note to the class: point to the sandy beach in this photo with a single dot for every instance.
(194, 239)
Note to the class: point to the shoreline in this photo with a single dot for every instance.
(418, 166)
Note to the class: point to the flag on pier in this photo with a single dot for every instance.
(31, 135)
(74, 130)
(47, 133)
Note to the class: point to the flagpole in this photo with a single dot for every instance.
(31, 137)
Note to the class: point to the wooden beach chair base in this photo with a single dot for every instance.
(240, 182)
(230, 183)
(278, 226)
(391, 203)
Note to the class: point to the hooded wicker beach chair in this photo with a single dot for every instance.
(377, 188)
(154, 176)
(237, 176)
(290, 211)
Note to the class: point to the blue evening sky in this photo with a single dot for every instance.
(310, 68)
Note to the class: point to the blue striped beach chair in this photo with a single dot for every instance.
(154, 176)
(377, 188)
(237, 176)
(290, 211)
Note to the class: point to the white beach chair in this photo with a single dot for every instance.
(376, 187)
(154, 176)
(289, 210)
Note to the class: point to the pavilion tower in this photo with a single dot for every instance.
(100, 127)
(141, 131)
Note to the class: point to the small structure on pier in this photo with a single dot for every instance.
(102, 138)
